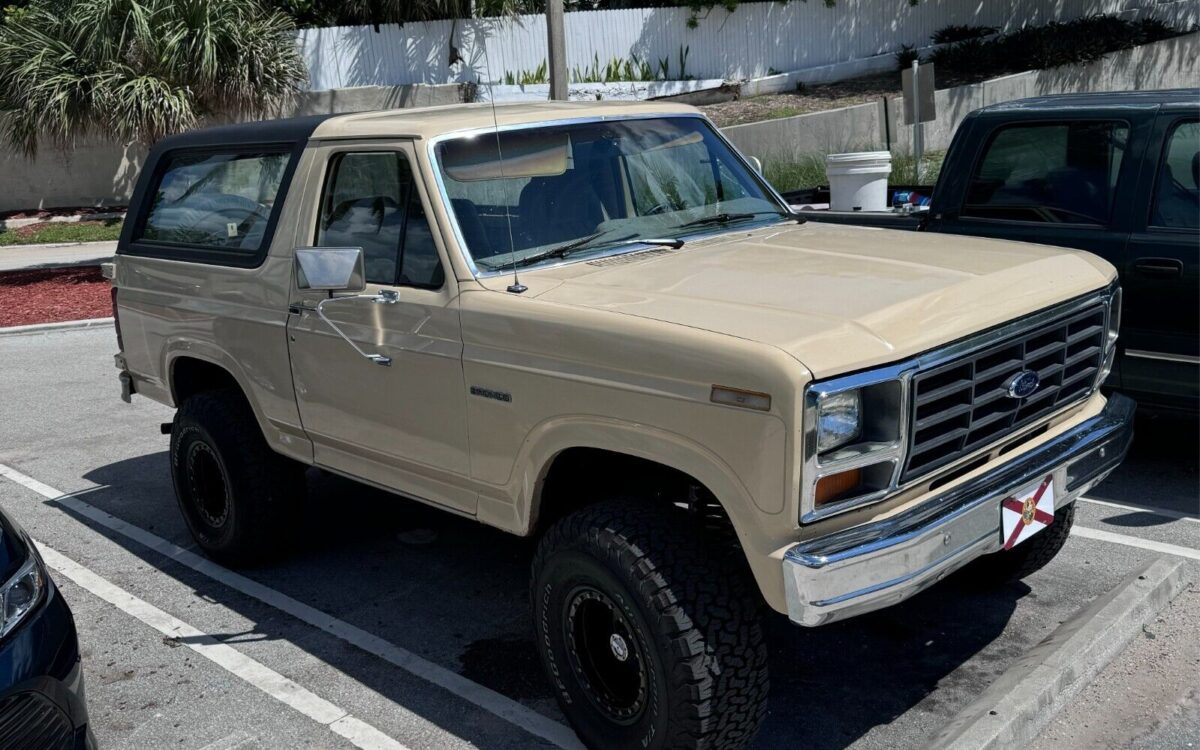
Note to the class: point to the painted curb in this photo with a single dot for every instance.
(1025, 699)
(66, 325)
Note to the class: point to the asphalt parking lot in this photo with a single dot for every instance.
(396, 623)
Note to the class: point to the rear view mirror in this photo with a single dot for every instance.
(335, 269)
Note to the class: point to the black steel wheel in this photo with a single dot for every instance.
(240, 500)
(649, 639)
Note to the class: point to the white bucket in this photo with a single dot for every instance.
(858, 182)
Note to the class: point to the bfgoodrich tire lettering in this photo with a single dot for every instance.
(240, 499)
(686, 620)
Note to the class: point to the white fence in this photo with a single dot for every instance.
(753, 41)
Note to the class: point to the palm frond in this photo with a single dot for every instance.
(140, 69)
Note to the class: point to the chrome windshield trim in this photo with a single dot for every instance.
(814, 467)
(480, 273)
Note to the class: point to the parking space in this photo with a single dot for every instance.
(415, 622)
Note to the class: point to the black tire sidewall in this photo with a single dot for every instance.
(560, 574)
(183, 436)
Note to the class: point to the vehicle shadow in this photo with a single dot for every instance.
(1162, 470)
(455, 592)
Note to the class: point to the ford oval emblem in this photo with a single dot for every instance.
(1024, 384)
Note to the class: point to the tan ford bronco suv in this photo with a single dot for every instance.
(597, 324)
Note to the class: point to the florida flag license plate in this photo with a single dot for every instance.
(1027, 512)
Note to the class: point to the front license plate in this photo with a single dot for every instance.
(1027, 512)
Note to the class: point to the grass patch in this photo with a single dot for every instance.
(808, 171)
(82, 231)
(781, 112)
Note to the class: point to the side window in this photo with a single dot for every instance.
(1177, 194)
(368, 201)
(419, 262)
(221, 201)
(1049, 172)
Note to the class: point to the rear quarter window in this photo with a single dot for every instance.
(215, 200)
(216, 205)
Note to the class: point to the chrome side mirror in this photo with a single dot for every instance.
(334, 269)
(755, 162)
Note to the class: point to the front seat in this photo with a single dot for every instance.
(559, 209)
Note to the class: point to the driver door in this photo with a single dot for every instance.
(403, 425)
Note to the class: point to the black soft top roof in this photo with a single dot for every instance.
(287, 130)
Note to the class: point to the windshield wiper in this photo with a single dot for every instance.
(565, 249)
(727, 218)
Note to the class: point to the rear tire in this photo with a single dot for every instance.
(240, 500)
(1030, 556)
(650, 639)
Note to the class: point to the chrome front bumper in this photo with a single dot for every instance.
(878, 564)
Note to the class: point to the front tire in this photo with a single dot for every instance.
(649, 639)
(241, 500)
(1030, 556)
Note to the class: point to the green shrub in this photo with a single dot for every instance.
(958, 33)
(1048, 46)
(906, 56)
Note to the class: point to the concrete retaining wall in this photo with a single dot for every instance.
(102, 173)
(1172, 63)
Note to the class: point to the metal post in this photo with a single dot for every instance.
(557, 47)
(918, 145)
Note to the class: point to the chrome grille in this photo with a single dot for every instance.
(963, 405)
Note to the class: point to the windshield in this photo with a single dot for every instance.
(586, 187)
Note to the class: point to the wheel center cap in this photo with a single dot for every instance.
(620, 649)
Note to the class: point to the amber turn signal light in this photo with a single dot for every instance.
(836, 486)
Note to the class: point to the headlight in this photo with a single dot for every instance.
(853, 446)
(839, 419)
(21, 593)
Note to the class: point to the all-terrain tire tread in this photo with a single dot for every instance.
(709, 612)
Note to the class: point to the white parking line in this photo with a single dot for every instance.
(486, 698)
(260, 676)
(1133, 541)
(1143, 509)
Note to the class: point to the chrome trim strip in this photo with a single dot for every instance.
(1186, 359)
(478, 273)
(881, 563)
(814, 467)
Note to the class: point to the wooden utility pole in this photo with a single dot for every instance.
(557, 46)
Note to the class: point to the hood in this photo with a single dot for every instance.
(838, 298)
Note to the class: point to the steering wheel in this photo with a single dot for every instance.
(657, 208)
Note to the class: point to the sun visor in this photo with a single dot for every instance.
(526, 154)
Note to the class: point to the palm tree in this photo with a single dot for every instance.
(136, 70)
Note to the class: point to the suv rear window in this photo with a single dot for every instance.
(1049, 172)
(215, 200)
